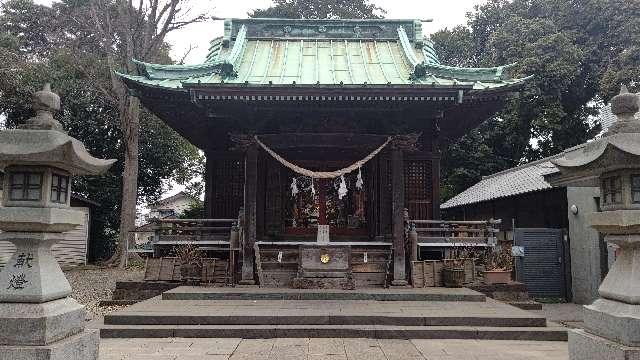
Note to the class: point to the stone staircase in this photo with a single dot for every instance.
(433, 313)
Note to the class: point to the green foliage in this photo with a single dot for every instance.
(579, 53)
(33, 50)
(194, 211)
(320, 9)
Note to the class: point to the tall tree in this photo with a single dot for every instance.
(128, 32)
(49, 44)
(578, 51)
(320, 9)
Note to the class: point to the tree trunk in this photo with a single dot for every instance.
(131, 134)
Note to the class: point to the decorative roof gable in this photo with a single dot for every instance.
(292, 52)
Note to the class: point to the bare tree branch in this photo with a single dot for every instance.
(184, 56)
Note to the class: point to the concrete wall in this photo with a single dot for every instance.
(586, 272)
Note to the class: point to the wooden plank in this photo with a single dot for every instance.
(425, 279)
(177, 274)
(200, 228)
(167, 269)
(277, 278)
(368, 267)
(208, 270)
(364, 280)
(152, 269)
(196, 238)
(178, 221)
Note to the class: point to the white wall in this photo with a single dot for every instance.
(585, 245)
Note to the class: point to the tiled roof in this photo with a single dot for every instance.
(515, 181)
(266, 52)
(519, 180)
(169, 200)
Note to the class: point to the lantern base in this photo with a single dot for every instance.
(25, 324)
(586, 346)
(614, 320)
(84, 346)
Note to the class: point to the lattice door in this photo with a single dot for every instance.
(418, 189)
(228, 187)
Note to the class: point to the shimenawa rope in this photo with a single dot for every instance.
(322, 174)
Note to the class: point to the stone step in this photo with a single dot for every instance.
(253, 293)
(554, 333)
(300, 318)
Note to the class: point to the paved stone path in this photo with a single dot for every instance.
(329, 349)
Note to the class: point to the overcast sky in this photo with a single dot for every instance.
(444, 14)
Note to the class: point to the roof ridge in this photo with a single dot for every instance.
(532, 163)
(519, 167)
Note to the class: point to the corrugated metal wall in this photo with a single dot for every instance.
(542, 268)
(72, 251)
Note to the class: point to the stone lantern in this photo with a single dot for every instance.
(612, 322)
(38, 319)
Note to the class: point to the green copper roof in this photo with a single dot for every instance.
(325, 52)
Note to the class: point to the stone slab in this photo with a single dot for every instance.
(39, 219)
(84, 346)
(335, 331)
(614, 320)
(40, 324)
(586, 346)
(393, 294)
(330, 349)
(323, 312)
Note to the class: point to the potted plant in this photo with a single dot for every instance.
(453, 270)
(498, 266)
(190, 263)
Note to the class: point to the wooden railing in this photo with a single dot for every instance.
(203, 231)
(456, 232)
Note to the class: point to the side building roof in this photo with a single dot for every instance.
(521, 179)
(514, 181)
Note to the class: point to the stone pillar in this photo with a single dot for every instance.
(250, 196)
(612, 322)
(397, 211)
(38, 319)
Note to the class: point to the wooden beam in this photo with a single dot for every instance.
(323, 140)
(397, 189)
(250, 225)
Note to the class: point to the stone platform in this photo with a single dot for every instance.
(377, 294)
(279, 313)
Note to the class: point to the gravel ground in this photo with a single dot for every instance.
(91, 284)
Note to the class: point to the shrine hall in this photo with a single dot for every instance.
(322, 139)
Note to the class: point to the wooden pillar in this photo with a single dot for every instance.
(208, 185)
(435, 186)
(435, 167)
(397, 189)
(250, 197)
